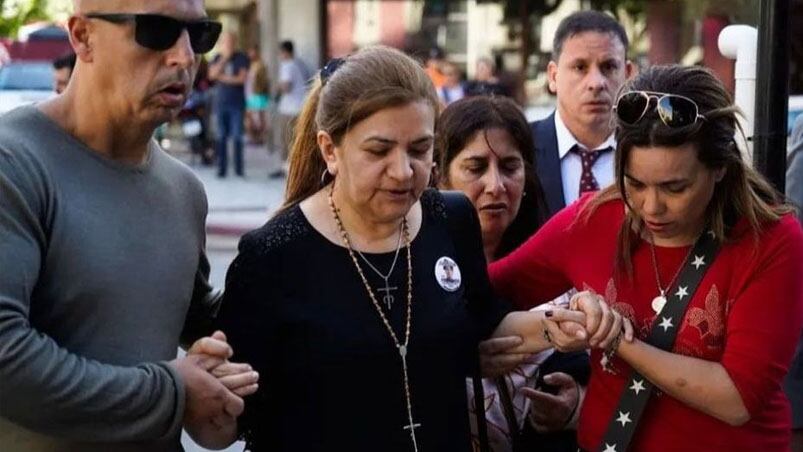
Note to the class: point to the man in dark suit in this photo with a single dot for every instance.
(573, 155)
(573, 145)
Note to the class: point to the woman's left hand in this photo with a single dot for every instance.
(564, 333)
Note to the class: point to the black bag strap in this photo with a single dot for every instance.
(460, 214)
(507, 408)
(518, 441)
(664, 330)
(479, 410)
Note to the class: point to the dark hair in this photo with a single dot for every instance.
(583, 21)
(742, 192)
(64, 62)
(373, 79)
(460, 122)
(287, 46)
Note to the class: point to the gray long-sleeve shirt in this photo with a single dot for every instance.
(101, 263)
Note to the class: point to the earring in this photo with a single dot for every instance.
(433, 176)
(323, 176)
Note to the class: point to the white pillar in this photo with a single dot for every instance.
(740, 42)
(268, 36)
(300, 22)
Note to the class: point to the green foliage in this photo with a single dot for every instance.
(536, 8)
(16, 13)
(633, 8)
(739, 11)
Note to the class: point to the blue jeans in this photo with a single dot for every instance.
(230, 124)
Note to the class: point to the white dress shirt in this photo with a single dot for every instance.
(571, 167)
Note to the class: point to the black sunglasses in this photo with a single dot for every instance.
(158, 32)
(673, 110)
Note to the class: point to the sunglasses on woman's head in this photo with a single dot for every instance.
(158, 32)
(674, 110)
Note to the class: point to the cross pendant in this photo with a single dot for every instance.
(412, 424)
(387, 298)
(412, 428)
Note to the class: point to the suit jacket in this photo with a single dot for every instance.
(547, 167)
(547, 163)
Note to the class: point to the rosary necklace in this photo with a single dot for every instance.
(401, 347)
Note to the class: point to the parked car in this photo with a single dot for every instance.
(25, 82)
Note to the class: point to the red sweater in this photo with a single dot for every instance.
(746, 314)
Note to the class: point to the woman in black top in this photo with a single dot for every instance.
(355, 304)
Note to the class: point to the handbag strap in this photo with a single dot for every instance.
(664, 330)
(507, 408)
(479, 412)
(460, 217)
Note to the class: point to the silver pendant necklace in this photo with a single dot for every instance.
(659, 301)
(387, 297)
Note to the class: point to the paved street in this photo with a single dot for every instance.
(236, 205)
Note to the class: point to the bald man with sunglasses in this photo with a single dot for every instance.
(102, 265)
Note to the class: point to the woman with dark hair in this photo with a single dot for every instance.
(484, 148)
(701, 254)
(488, 137)
(356, 303)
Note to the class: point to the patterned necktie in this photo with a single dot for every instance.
(588, 158)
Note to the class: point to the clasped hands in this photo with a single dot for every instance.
(214, 387)
(588, 323)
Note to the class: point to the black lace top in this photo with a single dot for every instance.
(331, 378)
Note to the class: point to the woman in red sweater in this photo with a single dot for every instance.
(679, 179)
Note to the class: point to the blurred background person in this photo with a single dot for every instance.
(452, 89)
(229, 70)
(194, 117)
(292, 88)
(485, 80)
(62, 71)
(433, 66)
(257, 100)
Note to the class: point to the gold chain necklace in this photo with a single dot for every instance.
(400, 347)
(659, 301)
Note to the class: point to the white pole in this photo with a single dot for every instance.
(740, 42)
